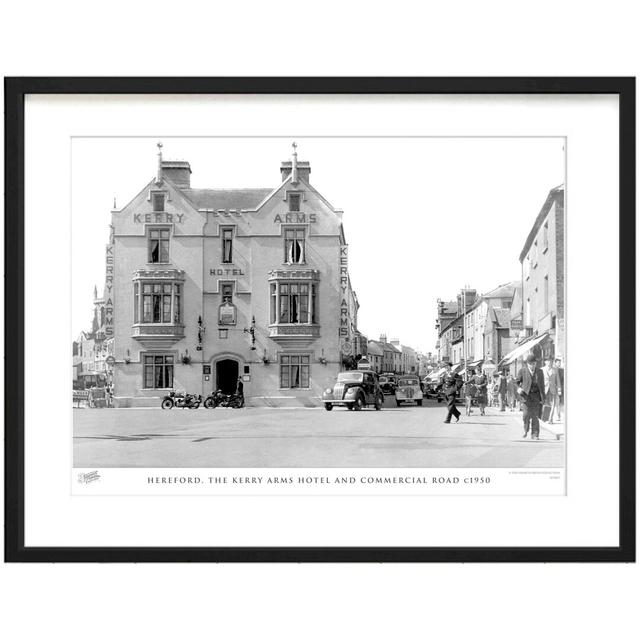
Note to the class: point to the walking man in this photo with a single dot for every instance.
(451, 382)
(530, 381)
(554, 394)
(511, 392)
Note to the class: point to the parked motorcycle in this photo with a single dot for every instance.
(219, 399)
(181, 400)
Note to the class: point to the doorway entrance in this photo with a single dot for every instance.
(227, 375)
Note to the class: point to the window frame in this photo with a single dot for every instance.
(303, 365)
(230, 229)
(295, 230)
(176, 303)
(159, 229)
(277, 295)
(164, 365)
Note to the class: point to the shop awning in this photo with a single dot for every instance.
(435, 375)
(477, 363)
(521, 349)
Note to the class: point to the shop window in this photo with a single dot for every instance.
(157, 302)
(158, 201)
(293, 303)
(158, 371)
(294, 202)
(227, 245)
(158, 244)
(294, 246)
(294, 371)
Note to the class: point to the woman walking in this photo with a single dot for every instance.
(480, 383)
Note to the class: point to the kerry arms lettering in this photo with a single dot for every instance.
(158, 217)
(295, 218)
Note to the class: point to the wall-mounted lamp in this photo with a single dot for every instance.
(252, 332)
(128, 358)
(265, 358)
(201, 330)
(186, 358)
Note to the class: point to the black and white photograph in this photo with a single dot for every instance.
(319, 302)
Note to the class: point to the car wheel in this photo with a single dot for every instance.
(439, 400)
(350, 407)
(167, 403)
(359, 403)
(419, 403)
(378, 403)
(398, 403)
(328, 406)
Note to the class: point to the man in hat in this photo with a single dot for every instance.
(451, 382)
(530, 388)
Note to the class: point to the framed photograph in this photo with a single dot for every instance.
(320, 319)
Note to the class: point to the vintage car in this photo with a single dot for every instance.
(354, 390)
(388, 383)
(409, 390)
(433, 389)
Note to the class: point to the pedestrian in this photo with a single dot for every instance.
(481, 383)
(530, 381)
(511, 392)
(451, 383)
(547, 370)
(554, 394)
(240, 388)
(502, 390)
(470, 393)
(560, 383)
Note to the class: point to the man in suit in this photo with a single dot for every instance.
(530, 388)
(451, 382)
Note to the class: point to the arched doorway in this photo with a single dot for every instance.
(227, 375)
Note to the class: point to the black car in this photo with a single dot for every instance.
(388, 383)
(354, 390)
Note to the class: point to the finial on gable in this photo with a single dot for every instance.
(159, 176)
(294, 164)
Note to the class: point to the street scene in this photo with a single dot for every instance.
(409, 437)
(227, 331)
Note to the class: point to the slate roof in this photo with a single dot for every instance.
(226, 198)
(502, 291)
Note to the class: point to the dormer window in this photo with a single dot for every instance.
(294, 202)
(157, 200)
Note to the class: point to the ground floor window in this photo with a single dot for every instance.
(158, 371)
(294, 372)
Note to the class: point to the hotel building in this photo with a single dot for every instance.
(212, 285)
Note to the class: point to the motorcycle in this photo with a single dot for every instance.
(219, 399)
(181, 400)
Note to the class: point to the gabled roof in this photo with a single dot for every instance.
(503, 290)
(502, 317)
(226, 198)
(374, 348)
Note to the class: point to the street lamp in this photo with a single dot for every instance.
(252, 332)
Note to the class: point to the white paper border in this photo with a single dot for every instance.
(587, 516)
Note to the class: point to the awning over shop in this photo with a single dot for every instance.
(521, 349)
(435, 375)
(477, 363)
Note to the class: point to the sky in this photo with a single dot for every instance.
(423, 217)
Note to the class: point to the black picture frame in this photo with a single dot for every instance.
(15, 91)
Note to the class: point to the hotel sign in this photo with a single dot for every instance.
(344, 292)
(295, 218)
(108, 292)
(158, 218)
